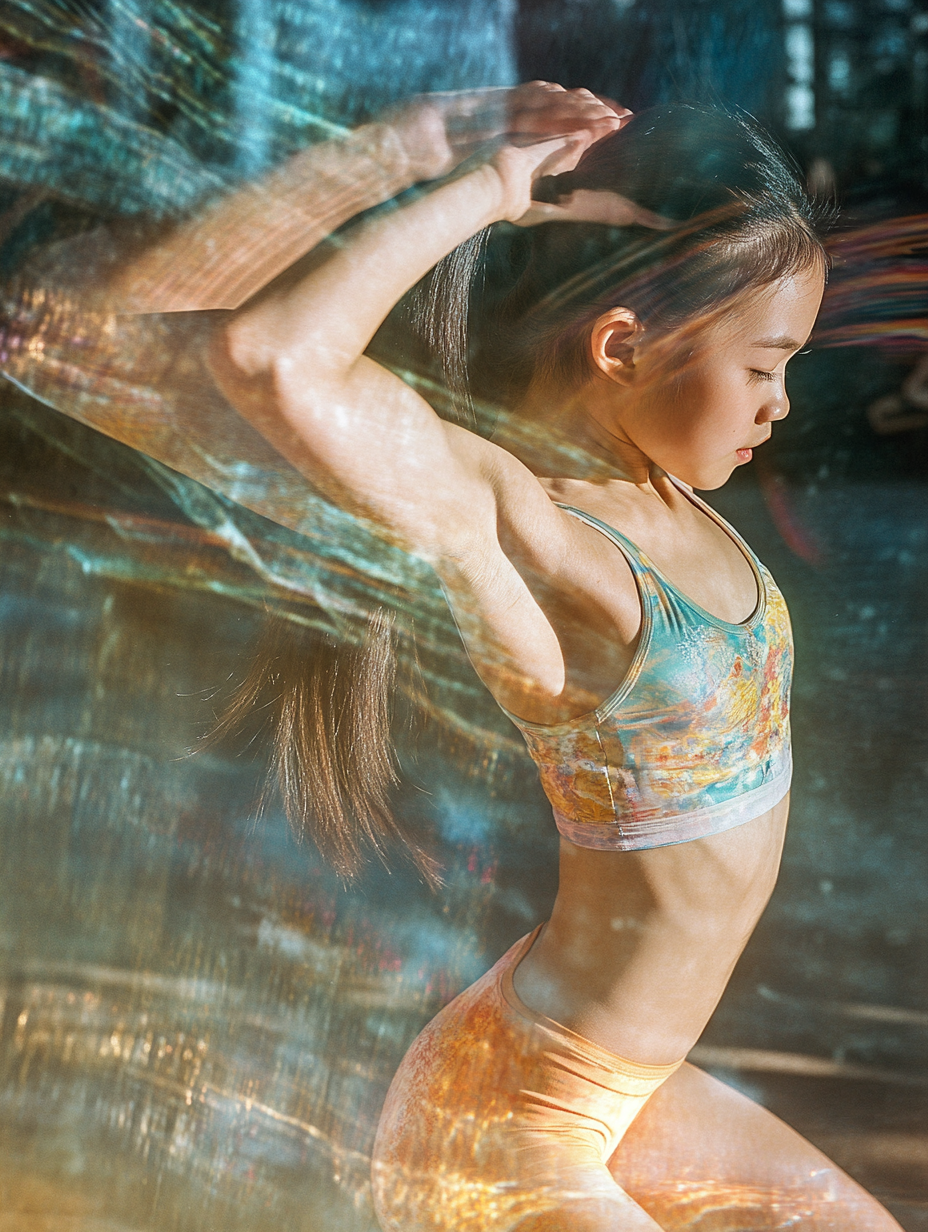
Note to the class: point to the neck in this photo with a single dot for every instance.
(573, 437)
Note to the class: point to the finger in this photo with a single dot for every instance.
(577, 114)
(538, 212)
(542, 94)
(564, 101)
(565, 153)
(610, 208)
(543, 144)
(559, 99)
(608, 108)
(551, 155)
(624, 113)
(535, 109)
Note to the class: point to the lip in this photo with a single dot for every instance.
(747, 452)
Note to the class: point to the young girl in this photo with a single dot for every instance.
(666, 270)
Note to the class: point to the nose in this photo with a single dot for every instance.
(774, 408)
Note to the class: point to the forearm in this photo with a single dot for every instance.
(224, 256)
(325, 322)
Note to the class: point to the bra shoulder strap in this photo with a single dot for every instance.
(629, 550)
(660, 603)
(714, 516)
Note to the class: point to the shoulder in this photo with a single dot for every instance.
(523, 506)
(556, 553)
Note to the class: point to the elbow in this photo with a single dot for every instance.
(249, 370)
(240, 350)
(253, 353)
(244, 372)
(268, 390)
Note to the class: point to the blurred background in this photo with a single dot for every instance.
(198, 1022)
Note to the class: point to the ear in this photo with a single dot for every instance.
(613, 342)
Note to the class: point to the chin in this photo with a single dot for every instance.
(706, 481)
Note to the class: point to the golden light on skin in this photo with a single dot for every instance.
(683, 363)
(643, 406)
(596, 205)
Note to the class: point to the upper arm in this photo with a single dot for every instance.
(365, 439)
(374, 446)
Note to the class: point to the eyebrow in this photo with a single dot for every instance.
(779, 344)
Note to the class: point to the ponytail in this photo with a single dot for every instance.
(327, 707)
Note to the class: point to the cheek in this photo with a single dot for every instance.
(714, 423)
(702, 408)
(698, 412)
(726, 400)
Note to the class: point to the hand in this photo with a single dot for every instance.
(518, 167)
(439, 131)
(595, 205)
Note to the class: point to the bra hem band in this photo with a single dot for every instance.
(628, 834)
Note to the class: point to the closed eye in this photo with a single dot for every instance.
(758, 374)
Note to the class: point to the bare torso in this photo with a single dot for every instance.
(547, 607)
(641, 945)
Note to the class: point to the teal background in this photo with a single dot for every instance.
(199, 1021)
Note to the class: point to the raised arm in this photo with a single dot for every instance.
(221, 257)
(294, 365)
(228, 252)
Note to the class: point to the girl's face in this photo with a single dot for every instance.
(700, 423)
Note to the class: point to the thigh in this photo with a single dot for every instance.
(702, 1157)
(495, 1123)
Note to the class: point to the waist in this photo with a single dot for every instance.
(640, 946)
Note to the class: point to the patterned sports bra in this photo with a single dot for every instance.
(695, 740)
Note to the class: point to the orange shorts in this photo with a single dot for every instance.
(499, 1117)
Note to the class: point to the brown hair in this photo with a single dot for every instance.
(743, 219)
(328, 705)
